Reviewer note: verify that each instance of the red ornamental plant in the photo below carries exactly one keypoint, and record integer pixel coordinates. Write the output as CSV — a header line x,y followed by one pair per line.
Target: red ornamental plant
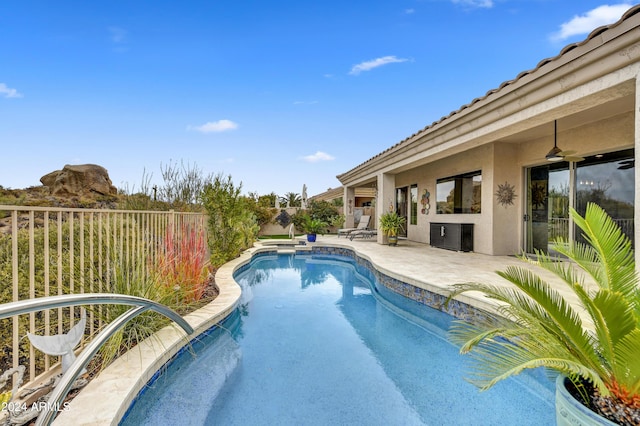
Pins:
x,y
184,262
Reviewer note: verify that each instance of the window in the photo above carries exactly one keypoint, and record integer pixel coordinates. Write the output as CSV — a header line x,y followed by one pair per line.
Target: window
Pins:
x,y
609,181
459,194
414,204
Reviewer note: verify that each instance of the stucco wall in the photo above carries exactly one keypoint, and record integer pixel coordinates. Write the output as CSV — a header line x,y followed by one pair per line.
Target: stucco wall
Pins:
x,y
499,229
426,176
507,223
276,229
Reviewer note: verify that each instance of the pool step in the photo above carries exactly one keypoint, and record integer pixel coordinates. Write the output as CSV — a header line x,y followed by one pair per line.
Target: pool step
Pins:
x,y
293,249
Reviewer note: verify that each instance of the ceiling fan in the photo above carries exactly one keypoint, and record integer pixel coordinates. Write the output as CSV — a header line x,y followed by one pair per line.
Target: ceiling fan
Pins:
x,y
626,164
556,154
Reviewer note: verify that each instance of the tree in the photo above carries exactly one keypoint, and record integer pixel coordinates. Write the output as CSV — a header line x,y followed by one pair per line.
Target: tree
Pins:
x,y
291,199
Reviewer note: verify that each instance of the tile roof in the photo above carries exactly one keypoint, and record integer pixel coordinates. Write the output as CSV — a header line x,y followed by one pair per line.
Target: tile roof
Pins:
x,y
595,33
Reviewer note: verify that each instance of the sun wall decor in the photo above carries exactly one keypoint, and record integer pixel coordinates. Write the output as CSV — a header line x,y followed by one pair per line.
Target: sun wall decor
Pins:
x,y
505,194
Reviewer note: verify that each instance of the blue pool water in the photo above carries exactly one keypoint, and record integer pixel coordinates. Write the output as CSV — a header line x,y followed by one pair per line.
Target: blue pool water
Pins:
x,y
314,343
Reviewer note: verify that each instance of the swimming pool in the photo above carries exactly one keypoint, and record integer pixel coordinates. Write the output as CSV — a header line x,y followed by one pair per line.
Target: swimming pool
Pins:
x,y
317,341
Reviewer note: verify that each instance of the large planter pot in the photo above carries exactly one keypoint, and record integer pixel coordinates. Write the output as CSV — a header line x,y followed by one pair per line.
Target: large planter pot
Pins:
x,y
311,238
393,241
571,412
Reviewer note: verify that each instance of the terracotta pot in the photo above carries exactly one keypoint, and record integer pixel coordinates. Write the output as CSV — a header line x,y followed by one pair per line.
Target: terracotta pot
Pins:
x,y
571,412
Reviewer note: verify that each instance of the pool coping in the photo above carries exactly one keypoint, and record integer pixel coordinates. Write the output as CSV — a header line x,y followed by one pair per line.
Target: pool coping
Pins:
x,y
106,399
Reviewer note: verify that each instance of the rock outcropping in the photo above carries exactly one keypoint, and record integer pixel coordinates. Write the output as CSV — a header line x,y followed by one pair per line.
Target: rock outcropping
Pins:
x,y
79,180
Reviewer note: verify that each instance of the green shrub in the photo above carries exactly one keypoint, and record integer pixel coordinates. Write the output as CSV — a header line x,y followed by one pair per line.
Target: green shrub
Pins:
x,y
322,211
136,277
232,225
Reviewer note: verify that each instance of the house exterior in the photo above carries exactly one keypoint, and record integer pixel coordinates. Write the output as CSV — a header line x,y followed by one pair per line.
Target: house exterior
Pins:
x,y
490,164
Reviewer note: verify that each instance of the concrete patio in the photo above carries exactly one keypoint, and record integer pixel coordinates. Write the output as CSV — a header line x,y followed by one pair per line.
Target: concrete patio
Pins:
x,y
436,269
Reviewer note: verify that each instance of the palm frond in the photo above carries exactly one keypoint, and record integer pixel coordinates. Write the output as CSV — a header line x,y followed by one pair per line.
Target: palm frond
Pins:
x,y
627,367
495,360
536,313
562,270
617,315
545,330
614,265
467,335
550,309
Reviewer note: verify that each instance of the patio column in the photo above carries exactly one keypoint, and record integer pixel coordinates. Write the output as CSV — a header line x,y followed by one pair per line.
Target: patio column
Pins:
x,y
349,200
386,198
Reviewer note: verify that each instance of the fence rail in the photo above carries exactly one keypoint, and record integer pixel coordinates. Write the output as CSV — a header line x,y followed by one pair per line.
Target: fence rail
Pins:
x,y
559,227
46,251
140,305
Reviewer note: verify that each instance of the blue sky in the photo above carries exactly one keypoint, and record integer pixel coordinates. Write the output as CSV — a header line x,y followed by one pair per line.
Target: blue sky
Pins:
x,y
275,93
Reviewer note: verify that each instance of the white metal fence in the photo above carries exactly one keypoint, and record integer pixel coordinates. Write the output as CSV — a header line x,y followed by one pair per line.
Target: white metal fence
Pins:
x,y
48,251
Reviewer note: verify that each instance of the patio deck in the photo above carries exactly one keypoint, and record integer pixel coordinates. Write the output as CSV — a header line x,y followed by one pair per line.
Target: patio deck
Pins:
x,y
436,269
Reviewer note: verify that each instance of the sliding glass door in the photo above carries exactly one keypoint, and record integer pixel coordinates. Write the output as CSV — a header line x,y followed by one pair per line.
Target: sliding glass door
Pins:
x,y
402,207
607,180
547,214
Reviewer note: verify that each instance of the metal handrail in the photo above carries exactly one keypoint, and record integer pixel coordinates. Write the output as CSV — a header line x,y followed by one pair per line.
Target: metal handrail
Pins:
x,y
141,305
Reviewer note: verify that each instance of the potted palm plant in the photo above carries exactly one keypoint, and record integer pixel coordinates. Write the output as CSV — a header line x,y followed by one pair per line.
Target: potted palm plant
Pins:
x,y
391,224
312,227
593,341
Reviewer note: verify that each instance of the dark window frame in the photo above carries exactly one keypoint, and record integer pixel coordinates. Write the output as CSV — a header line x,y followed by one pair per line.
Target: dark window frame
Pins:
x,y
459,194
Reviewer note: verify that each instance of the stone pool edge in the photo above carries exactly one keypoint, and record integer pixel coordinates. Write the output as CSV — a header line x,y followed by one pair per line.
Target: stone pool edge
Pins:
x,y
106,399
466,307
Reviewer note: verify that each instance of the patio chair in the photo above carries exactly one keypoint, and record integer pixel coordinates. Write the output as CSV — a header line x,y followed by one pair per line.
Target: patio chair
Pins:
x,y
363,233
362,224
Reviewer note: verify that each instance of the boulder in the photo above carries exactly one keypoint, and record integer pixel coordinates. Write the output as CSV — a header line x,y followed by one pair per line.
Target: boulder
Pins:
x,y
79,180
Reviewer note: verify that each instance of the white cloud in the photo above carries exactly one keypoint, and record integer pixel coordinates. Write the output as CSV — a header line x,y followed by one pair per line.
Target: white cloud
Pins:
x,y
7,92
305,102
318,156
215,126
375,63
584,24
118,38
117,34
474,3
409,11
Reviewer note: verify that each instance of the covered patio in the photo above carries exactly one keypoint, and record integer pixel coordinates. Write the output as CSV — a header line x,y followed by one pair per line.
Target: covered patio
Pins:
x,y
513,162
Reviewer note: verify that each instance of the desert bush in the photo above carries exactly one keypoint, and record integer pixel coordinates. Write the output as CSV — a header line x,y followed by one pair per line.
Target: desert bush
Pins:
x,y
135,278
184,263
181,189
232,225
